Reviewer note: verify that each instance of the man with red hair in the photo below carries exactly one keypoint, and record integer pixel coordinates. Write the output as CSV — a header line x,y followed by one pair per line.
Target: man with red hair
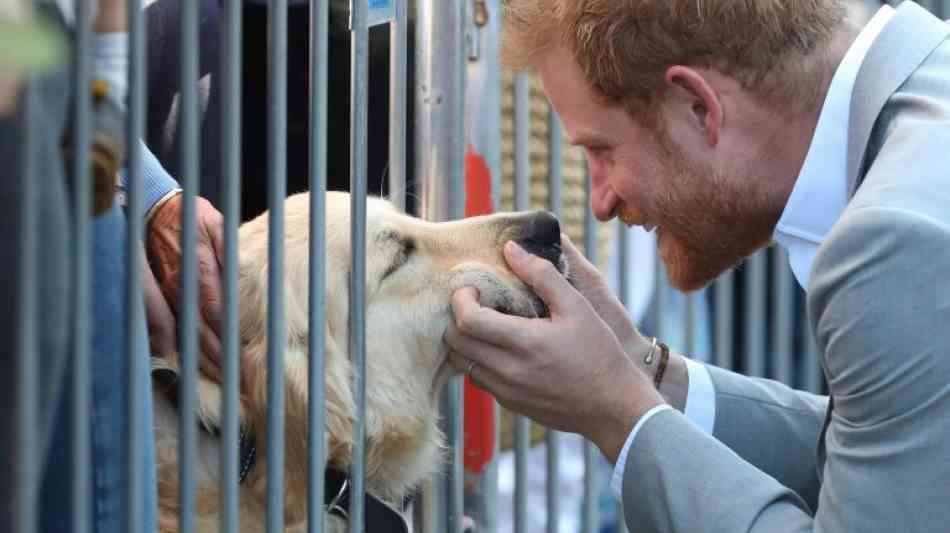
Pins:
x,y
726,126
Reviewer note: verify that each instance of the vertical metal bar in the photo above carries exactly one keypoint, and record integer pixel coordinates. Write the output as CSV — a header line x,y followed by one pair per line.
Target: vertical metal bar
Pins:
x,y
555,205
231,189
522,203
82,281
724,296
188,430
483,127
623,288
783,302
693,301
553,494
398,50
555,163
812,371
133,308
522,443
316,340
26,465
754,319
359,78
522,142
276,192
623,262
660,299
589,514
440,104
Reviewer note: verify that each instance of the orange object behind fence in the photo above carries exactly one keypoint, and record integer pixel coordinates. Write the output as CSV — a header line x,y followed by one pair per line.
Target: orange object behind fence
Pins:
x,y
479,425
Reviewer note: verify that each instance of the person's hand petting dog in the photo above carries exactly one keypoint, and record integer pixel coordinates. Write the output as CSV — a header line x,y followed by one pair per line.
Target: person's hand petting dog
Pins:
x,y
563,371
165,256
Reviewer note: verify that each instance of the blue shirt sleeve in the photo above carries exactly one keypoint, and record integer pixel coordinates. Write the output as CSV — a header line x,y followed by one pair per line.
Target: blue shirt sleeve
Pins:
x,y
156,181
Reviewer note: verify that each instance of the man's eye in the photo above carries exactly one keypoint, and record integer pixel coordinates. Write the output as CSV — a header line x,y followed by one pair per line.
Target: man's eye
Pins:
x,y
597,150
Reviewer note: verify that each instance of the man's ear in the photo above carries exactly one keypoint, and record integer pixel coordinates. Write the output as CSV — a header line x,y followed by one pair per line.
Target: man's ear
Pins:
x,y
706,108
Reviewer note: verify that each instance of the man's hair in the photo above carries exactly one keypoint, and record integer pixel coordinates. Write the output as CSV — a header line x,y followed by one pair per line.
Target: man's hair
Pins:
x,y
772,47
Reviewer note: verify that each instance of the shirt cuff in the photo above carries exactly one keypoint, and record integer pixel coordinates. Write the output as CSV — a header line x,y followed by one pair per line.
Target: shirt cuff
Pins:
x,y
700,396
616,481
157,183
700,409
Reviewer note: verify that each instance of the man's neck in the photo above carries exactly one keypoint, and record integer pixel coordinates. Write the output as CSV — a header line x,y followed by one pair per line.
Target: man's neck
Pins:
x,y
797,130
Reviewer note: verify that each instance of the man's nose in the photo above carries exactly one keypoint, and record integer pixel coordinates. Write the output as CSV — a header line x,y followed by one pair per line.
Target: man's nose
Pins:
x,y
541,236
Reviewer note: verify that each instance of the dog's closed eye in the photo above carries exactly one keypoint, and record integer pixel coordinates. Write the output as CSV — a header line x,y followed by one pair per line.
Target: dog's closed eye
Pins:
x,y
406,247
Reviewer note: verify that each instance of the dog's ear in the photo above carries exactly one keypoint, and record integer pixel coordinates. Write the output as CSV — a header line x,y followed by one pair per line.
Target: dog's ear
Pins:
x,y
340,403
338,389
340,406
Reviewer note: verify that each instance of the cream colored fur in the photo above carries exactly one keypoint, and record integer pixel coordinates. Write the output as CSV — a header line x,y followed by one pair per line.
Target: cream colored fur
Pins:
x,y
406,315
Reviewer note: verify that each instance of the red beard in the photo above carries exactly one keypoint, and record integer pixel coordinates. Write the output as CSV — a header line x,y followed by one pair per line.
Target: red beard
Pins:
x,y
709,220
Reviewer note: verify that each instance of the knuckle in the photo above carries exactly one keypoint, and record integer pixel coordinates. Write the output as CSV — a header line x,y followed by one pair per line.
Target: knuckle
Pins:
x,y
464,323
539,268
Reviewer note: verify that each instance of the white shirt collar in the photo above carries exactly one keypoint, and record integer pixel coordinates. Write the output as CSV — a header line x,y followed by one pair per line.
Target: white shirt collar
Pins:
x,y
820,193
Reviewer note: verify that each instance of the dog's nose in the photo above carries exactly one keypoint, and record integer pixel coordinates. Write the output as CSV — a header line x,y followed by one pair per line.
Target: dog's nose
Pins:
x,y
541,236
544,229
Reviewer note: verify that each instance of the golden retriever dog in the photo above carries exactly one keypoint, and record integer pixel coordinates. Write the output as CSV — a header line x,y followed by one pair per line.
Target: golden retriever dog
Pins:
x,y
412,269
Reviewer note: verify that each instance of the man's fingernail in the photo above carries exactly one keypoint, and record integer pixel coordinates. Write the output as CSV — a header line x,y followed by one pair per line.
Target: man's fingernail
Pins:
x,y
516,252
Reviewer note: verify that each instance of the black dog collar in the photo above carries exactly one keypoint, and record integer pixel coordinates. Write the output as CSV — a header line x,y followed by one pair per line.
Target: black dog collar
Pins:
x,y
248,455
379,515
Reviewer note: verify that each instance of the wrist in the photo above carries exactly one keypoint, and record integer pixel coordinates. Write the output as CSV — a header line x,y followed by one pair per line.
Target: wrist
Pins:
x,y
673,384
157,206
611,429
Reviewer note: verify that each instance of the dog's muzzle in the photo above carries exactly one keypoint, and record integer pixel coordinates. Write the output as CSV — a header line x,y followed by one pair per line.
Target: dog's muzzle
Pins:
x,y
541,236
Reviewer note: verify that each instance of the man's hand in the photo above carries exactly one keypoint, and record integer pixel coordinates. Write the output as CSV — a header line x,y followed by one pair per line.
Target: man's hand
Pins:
x,y
165,255
587,280
568,372
162,334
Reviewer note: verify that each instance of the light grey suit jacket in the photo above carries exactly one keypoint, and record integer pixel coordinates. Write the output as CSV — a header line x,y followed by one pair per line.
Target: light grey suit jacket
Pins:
x,y
878,460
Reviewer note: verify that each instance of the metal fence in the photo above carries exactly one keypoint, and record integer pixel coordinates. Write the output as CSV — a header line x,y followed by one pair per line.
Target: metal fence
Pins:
x,y
756,320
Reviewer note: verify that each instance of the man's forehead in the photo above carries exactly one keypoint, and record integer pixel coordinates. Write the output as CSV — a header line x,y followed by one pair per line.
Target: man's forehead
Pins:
x,y
586,117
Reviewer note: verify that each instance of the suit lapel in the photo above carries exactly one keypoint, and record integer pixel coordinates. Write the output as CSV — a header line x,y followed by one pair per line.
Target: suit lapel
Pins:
x,y
901,47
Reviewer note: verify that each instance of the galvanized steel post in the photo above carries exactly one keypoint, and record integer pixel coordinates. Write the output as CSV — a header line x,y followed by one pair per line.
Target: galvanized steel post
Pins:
x,y
589,515
359,87
724,296
26,461
754,314
555,205
483,133
783,301
188,314
316,340
522,202
231,192
440,152
134,316
82,276
623,287
398,53
276,193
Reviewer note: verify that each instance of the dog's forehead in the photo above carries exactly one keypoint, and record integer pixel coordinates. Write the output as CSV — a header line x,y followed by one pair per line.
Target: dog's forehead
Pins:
x,y
381,215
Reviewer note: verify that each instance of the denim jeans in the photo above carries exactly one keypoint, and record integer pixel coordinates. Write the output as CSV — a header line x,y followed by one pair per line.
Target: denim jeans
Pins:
x,y
110,397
